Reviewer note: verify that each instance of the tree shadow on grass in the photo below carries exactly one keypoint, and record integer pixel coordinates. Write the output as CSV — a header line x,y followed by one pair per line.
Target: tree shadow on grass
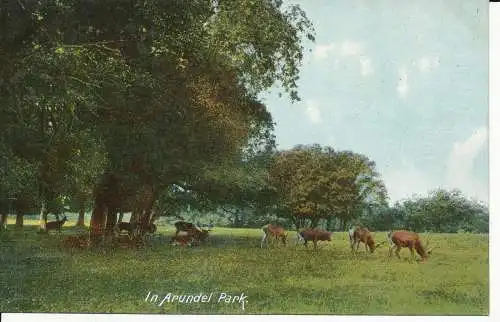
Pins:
x,y
29,261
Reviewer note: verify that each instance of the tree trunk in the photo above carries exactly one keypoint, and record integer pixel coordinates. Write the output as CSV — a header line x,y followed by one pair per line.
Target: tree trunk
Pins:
x,y
19,219
134,216
81,217
43,216
329,223
342,224
120,217
3,221
98,220
111,220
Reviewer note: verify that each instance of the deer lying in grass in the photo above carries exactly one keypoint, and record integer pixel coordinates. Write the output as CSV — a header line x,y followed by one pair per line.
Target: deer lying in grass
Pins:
x,y
314,235
55,225
199,235
359,235
186,233
410,240
78,241
271,231
184,226
183,238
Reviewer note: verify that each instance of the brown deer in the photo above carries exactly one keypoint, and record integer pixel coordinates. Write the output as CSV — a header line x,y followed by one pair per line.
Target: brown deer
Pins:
x,y
275,231
183,239
314,235
55,225
359,235
184,226
410,240
196,233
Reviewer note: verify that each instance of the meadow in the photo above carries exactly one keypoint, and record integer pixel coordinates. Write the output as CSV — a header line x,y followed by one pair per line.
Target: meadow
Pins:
x,y
38,275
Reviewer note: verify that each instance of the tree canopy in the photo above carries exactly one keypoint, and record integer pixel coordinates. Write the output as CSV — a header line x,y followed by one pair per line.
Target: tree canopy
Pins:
x,y
155,92
317,182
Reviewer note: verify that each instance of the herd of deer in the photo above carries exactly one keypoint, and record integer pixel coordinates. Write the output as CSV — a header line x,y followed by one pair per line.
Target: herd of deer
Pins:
x,y
397,239
187,234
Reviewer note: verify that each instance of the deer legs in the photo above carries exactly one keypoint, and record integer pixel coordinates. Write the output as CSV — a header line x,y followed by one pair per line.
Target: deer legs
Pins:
x,y
355,246
412,250
264,239
397,248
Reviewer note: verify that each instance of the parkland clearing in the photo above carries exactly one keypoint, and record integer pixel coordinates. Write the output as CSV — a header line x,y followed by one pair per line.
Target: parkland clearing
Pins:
x,y
139,158
38,275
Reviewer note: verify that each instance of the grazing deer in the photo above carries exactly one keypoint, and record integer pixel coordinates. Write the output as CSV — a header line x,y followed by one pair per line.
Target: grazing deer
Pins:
x,y
410,240
360,234
55,225
198,234
270,231
314,235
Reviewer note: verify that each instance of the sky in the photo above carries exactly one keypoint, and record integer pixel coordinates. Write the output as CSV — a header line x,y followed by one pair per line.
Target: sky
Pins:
x,y
404,83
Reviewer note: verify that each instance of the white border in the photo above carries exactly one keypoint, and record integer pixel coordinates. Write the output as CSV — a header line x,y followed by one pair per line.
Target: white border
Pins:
x,y
494,206
28,317
494,143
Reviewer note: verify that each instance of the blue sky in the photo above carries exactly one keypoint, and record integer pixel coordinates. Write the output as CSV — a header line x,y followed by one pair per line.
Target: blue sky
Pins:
x,y
405,83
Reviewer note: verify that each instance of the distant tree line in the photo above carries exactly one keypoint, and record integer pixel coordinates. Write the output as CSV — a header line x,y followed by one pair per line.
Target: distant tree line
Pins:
x,y
440,211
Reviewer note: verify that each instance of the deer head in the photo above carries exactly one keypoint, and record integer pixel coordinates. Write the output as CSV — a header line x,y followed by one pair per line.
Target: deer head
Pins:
x,y
427,248
380,244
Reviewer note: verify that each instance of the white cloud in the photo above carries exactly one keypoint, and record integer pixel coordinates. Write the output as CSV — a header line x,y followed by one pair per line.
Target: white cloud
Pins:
x,y
424,64
427,63
407,180
403,86
461,163
313,112
350,48
366,66
346,49
322,51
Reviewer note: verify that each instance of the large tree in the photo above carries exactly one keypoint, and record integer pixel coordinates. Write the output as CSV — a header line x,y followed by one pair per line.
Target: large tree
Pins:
x,y
314,182
166,88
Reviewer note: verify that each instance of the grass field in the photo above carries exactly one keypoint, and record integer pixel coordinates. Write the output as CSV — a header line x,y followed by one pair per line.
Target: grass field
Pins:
x,y
38,275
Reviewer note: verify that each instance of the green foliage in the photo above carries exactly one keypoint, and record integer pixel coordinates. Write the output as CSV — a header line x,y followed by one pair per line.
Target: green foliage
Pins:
x,y
318,182
152,92
441,211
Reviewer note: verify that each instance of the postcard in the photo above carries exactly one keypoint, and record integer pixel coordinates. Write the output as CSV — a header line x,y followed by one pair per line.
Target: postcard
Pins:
x,y
265,159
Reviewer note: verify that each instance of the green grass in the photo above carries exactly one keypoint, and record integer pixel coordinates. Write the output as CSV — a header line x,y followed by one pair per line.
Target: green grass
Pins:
x,y
38,275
